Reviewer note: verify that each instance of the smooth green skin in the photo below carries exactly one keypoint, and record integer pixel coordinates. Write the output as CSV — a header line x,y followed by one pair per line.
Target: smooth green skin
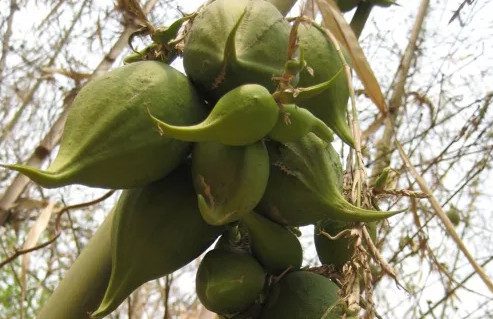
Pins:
x,y
274,246
242,116
302,295
337,252
157,230
227,282
304,185
331,104
109,141
233,43
229,180
84,284
347,5
301,122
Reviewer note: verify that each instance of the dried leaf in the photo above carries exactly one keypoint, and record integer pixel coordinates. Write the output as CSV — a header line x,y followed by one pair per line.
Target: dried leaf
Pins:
x,y
335,22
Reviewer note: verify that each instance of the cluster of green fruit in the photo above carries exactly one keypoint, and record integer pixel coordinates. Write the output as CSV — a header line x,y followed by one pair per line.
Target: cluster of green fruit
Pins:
x,y
258,168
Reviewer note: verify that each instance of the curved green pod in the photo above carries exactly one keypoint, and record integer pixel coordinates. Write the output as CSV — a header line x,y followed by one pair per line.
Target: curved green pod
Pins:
x,y
156,230
304,185
229,180
242,116
339,251
236,42
108,140
302,295
330,105
228,282
295,122
274,246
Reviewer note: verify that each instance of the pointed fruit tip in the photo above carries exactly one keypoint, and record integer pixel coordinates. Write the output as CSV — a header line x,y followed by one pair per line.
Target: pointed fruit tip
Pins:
x,y
43,178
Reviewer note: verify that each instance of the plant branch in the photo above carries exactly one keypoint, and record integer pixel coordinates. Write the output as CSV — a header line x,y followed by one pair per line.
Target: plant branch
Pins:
x,y
19,252
443,217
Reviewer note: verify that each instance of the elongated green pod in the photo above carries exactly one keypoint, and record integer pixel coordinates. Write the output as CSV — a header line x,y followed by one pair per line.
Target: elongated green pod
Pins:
x,y
302,295
108,140
295,122
304,183
157,230
274,246
84,284
228,282
236,42
338,251
242,116
229,180
330,105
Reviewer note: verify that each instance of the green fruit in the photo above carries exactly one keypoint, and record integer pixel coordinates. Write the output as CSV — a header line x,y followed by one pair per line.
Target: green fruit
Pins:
x,y
330,105
295,122
109,141
274,246
304,185
236,42
302,295
229,180
242,116
454,215
157,230
347,5
336,252
227,282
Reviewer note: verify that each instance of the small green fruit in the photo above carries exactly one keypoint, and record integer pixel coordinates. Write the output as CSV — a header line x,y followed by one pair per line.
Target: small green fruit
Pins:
x,y
330,105
302,295
236,42
228,282
454,215
336,252
274,246
229,180
242,116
